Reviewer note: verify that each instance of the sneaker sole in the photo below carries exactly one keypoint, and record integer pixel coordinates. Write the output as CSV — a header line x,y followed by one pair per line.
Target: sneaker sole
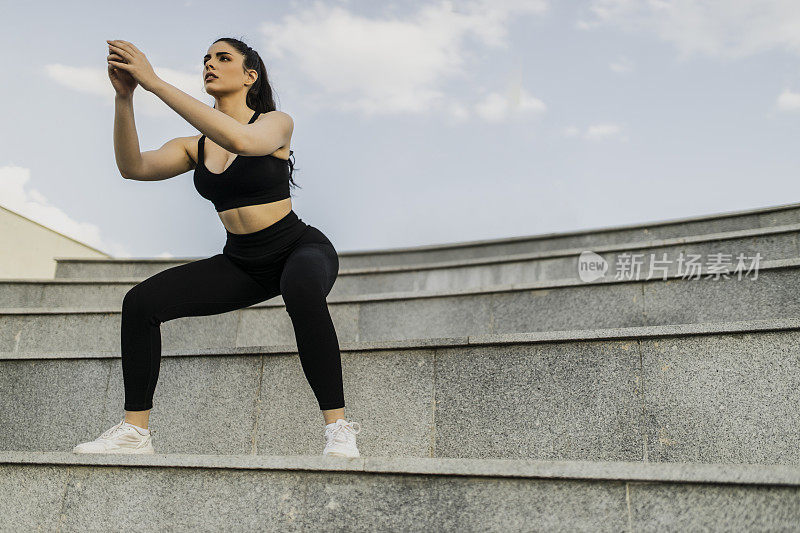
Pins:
x,y
121,452
337,454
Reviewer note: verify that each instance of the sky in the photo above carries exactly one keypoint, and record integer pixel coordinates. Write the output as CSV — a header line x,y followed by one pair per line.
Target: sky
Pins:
x,y
416,122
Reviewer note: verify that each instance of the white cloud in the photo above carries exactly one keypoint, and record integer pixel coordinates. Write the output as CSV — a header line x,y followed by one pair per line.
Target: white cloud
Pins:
x,y
19,197
621,65
389,65
596,132
571,131
722,28
516,101
788,101
89,80
602,131
94,81
496,107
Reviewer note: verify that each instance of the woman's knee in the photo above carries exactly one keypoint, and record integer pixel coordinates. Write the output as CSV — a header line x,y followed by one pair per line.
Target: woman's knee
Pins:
x,y
298,291
310,272
138,302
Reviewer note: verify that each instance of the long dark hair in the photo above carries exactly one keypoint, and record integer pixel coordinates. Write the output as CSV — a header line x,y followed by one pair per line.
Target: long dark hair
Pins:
x,y
259,97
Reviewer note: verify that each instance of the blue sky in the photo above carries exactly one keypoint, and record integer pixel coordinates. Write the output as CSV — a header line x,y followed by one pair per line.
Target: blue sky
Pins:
x,y
417,122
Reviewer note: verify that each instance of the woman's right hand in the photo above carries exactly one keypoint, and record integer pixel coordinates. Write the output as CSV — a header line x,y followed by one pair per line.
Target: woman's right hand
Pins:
x,y
122,82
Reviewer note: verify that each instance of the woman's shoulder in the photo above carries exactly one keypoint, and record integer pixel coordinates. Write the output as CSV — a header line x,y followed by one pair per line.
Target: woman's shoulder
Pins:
x,y
279,115
284,151
191,144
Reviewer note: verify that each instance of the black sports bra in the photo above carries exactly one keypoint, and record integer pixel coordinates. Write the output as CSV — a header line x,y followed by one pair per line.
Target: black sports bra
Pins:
x,y
248,180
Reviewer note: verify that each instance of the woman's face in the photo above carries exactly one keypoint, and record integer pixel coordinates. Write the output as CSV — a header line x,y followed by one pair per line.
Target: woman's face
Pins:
x,y
222,68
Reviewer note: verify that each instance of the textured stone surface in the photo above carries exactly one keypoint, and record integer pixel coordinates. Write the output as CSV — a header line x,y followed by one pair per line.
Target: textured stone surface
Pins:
x,y
201,404
52,404
69,492
549,401
703,395
389,393
723,399
610,391
32,497
667,507
530,267
550,306
586,239
544,306
99,497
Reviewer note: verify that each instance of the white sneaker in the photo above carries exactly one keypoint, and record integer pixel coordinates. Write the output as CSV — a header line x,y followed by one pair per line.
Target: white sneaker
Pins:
x,y
121,438
341,438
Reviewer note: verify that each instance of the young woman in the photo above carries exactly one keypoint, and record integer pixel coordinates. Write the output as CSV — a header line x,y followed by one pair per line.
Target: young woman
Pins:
x,y
241,164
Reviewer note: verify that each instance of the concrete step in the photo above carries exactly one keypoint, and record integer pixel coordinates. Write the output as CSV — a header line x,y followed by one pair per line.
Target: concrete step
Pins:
x,y
769,292
696,393
66,492
584,239
771,243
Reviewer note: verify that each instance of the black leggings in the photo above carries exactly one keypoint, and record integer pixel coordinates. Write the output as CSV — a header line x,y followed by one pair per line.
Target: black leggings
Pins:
x,y
290,258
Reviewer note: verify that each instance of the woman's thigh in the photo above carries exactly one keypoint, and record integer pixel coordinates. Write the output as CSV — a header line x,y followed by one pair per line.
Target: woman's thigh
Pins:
x,y
205,287
311,267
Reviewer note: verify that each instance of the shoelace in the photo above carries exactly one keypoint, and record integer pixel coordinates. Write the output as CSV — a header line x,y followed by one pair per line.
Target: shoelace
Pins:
x,y
113,431
339,432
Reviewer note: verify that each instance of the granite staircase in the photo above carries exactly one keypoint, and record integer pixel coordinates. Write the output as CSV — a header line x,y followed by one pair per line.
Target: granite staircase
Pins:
x,y
497,386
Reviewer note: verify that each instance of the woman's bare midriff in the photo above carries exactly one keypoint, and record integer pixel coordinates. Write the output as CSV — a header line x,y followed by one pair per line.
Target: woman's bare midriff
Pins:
x,y
251,218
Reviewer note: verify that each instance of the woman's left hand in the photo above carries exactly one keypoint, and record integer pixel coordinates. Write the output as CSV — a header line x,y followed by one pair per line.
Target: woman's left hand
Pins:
x,y
136,64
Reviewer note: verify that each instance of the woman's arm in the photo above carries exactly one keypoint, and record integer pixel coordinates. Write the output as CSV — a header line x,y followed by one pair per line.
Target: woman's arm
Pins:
x,y
223,129
126,141
261,138
168,161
